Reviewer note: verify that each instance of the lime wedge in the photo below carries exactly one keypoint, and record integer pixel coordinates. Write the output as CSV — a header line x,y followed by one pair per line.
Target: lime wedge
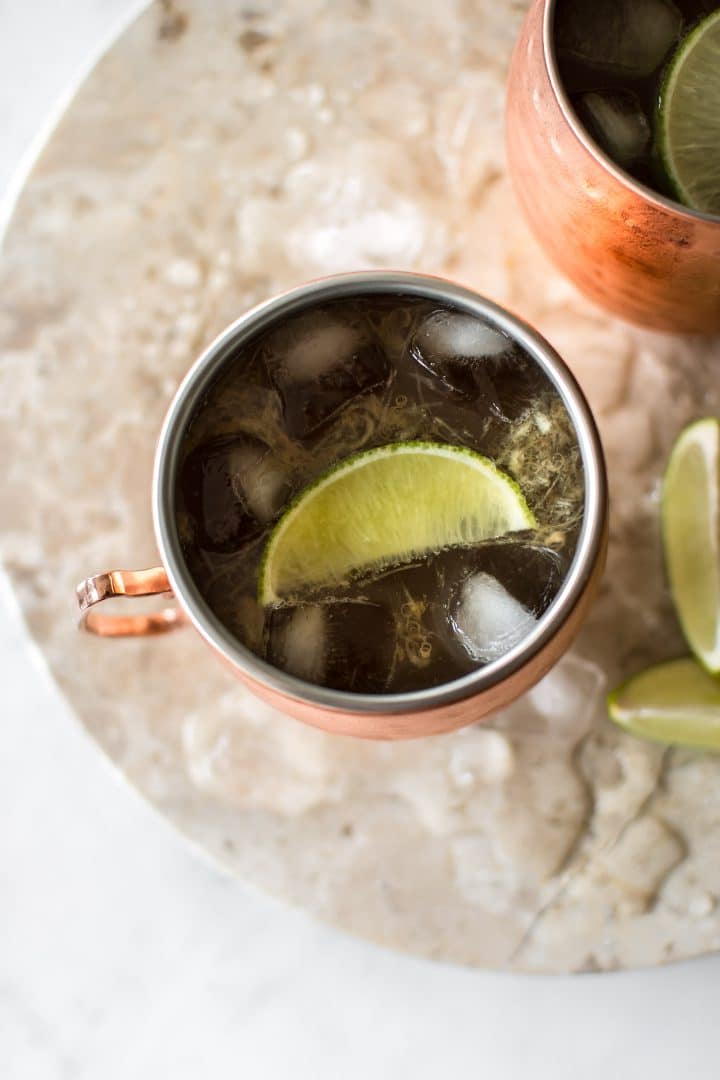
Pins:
x,y
689,118
690,497
386,506
676,702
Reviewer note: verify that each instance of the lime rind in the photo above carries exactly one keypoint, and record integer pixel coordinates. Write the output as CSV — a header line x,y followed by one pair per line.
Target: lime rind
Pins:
x,y
691,157
690,517
400,529
676,703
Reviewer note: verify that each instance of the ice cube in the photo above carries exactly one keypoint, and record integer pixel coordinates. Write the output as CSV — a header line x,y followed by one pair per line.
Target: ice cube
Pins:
x,y
319,363
344,644
425,595
488,620
616,120
528,571
299,643
620,37
571,699
454,348
319,349
450,333
231,487
420,650
260,481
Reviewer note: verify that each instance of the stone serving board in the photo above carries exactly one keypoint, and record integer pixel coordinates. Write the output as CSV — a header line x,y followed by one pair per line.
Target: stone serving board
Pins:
x,y
217,154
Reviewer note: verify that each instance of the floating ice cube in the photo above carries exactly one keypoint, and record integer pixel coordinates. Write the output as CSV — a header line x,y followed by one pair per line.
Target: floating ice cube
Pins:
x,y
488,620
347,645
423,642
301,643
320,348
530,572
260,480
453,334
455,348
232,486
616,120
621,37
319,364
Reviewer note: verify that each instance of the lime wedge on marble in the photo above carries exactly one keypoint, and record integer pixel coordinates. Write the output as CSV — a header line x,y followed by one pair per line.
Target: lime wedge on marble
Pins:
x,y
691,536
677,702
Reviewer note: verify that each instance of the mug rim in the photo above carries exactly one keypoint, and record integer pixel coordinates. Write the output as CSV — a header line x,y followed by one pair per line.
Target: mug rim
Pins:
x,y
593,148
589,545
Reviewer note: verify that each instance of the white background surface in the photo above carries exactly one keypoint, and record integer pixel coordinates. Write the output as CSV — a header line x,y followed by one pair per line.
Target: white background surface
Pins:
x,y
123,955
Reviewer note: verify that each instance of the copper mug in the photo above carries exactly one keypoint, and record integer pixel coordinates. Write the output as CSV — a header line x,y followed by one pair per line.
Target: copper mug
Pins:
x,y
637,253
383,716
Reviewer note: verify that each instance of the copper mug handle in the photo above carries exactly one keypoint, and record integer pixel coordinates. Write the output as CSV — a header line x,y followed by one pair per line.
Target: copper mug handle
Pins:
x,y
94,590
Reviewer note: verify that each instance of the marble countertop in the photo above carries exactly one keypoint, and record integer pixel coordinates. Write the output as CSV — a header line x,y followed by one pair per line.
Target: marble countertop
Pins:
x,y
124,954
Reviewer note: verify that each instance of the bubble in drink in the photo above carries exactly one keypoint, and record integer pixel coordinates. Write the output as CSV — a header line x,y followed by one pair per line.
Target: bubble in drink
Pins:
x,y
618,37
372,372
616,120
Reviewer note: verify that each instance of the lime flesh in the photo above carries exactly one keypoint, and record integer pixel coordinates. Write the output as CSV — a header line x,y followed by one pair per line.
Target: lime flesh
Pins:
x,y
689,118
677,703
387,506
690,525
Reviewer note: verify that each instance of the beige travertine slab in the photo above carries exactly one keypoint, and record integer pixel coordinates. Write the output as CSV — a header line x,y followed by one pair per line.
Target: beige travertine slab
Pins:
x,y
218,153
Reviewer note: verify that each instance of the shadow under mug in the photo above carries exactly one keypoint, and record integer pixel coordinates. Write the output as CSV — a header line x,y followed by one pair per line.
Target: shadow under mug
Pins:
x,y
382,716
642,256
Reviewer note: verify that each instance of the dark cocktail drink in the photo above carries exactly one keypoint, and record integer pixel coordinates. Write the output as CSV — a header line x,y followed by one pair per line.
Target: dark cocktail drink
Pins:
x,y
380,494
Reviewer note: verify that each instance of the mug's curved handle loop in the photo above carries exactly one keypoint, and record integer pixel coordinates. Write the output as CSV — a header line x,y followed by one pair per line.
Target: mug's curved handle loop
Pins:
x,y
101,587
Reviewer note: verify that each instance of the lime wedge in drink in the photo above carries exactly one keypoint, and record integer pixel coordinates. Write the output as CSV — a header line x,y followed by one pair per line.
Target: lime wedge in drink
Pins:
x,y
690,497
677,702
387,506
689,118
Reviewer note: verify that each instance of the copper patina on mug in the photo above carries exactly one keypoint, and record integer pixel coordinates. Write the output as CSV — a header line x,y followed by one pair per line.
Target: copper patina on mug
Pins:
x,y
637,253
380,716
